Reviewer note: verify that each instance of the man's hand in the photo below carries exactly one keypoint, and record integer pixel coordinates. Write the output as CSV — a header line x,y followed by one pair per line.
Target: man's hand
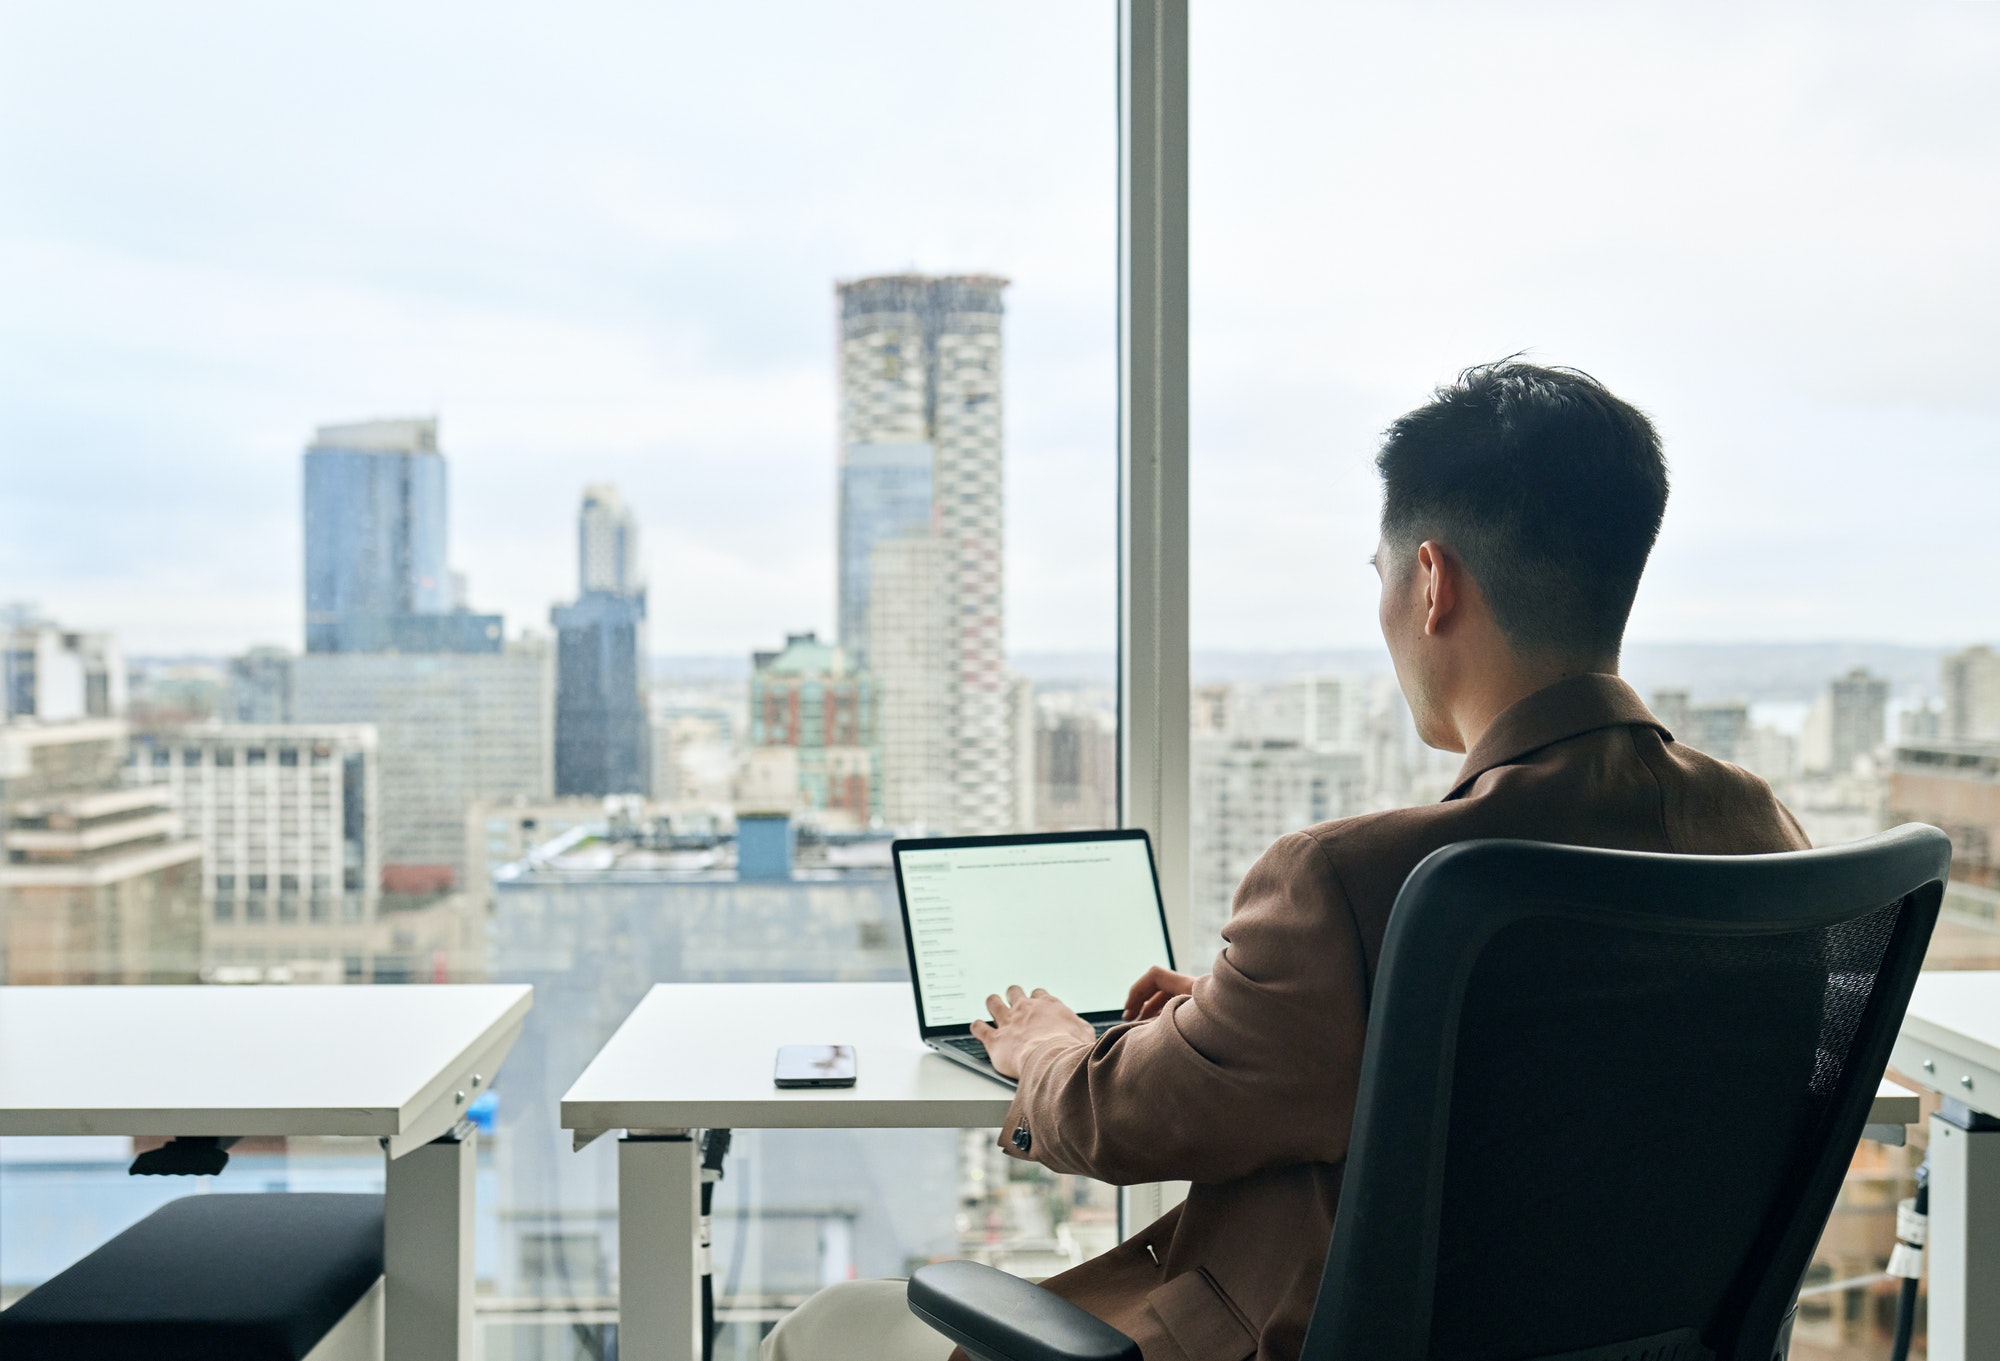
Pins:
x,y
1020,1021
1154,990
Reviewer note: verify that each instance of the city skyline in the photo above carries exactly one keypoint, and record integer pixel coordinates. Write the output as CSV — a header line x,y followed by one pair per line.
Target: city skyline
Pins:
x,y
627,304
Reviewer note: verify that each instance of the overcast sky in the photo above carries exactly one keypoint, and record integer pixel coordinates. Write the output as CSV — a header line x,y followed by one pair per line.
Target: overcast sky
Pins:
x,y
599,240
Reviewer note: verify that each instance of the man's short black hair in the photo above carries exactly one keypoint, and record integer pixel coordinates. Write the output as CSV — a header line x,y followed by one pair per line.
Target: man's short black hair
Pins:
x,y
1549,489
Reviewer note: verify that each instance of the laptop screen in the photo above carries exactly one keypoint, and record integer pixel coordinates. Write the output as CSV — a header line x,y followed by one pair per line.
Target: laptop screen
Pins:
x,y
1079,916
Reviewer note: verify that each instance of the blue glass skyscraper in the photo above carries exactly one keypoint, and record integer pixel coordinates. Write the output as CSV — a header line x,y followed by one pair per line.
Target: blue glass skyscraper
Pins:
x,y
603,729
376,574
885,493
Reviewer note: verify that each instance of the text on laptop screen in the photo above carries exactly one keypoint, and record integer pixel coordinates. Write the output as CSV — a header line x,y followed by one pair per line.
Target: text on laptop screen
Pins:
x,y
1080,918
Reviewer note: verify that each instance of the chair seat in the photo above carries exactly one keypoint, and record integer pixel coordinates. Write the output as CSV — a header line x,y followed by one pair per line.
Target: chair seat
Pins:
x,y
207,1278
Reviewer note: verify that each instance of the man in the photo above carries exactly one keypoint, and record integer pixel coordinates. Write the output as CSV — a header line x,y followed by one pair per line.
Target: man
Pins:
x,y
1519,507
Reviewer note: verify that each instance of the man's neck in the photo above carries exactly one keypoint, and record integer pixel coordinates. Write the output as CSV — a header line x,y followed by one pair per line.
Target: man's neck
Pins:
x,y
1500,688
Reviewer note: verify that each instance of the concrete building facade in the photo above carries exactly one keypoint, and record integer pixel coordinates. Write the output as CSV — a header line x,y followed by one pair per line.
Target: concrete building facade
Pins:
x,y
1076,766
907,624
1972,696
99,884
55,674
1246,793
1954,786
1847,722
453,729
288,816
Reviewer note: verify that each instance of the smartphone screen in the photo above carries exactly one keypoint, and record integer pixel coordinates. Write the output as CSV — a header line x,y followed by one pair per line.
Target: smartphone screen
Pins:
x,y
815,1065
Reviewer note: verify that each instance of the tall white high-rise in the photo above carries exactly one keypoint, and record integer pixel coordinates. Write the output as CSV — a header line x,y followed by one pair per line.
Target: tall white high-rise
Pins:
x,y
907,656
1972,695
922,457
608,543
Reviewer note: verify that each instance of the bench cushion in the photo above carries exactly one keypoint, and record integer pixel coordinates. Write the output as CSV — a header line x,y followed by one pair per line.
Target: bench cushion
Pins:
x,y
219,1277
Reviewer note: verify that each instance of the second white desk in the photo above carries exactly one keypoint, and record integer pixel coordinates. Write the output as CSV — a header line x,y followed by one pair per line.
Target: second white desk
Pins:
x,y
699,1056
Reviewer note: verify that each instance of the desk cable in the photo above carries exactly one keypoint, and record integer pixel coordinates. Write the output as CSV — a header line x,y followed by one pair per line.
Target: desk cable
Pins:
x,y
1907,1261
714,1148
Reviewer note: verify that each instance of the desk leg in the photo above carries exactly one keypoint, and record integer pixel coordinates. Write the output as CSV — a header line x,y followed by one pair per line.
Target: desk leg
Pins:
x,y
1963,1252
427,1251
659,1250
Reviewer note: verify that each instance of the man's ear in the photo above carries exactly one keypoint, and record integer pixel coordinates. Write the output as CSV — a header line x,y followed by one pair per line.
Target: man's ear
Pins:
x,y
1439,571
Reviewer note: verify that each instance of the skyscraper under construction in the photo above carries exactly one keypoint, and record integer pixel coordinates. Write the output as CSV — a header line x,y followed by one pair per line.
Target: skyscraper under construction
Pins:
x,y
921,541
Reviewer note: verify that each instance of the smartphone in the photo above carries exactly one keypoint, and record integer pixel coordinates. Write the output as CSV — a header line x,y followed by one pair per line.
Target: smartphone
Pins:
x,y
815,1065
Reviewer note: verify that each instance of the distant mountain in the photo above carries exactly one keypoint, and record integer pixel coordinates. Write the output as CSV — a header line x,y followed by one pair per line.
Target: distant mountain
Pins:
x,y
1756,672
1766,672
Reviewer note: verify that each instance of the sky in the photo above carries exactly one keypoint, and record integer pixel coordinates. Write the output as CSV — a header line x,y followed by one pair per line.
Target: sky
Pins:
x,y
599,241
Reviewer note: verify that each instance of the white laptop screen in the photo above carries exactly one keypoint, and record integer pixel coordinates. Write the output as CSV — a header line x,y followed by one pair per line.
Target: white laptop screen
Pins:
x,y
1080,918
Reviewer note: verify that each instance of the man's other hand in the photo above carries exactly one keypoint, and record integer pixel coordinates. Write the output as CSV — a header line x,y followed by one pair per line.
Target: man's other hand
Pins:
x,y
1154,990
1020,1020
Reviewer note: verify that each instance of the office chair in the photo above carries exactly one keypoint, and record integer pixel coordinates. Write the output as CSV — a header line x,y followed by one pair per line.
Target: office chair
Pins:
x,y
1606,1103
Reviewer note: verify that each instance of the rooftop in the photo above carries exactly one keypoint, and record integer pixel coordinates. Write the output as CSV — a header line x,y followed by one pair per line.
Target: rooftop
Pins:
x,y
656,851
403,435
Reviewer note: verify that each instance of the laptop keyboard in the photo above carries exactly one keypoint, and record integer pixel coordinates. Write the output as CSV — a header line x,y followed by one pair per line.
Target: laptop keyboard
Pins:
x,y
973,1049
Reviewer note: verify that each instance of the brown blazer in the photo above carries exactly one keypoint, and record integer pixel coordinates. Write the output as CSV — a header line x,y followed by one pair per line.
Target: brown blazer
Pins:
x,y
1247,1087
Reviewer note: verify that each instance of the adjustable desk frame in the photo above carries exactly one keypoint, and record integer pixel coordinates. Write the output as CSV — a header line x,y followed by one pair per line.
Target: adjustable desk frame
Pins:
x,y
1950,1042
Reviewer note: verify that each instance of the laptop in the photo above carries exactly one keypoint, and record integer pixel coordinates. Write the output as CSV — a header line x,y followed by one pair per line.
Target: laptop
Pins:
x,y
1077,913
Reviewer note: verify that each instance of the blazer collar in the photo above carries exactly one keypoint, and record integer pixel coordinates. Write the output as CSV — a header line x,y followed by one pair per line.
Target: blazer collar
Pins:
x,y
1566,709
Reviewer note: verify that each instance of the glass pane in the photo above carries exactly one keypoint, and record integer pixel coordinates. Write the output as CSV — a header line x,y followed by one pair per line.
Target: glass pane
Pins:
x,y
518,496
1769,226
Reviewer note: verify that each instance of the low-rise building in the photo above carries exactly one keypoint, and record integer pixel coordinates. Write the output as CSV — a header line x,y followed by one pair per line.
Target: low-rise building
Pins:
x,y
1954,786
1076,764
1245,794
288,815
55,674
99,884
807,699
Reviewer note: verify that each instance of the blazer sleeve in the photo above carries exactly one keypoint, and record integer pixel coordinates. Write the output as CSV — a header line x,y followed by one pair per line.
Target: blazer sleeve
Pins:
x,y
1258,1068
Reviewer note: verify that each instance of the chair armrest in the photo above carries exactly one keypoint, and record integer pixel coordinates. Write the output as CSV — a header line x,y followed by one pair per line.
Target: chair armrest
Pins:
x,y
997,1317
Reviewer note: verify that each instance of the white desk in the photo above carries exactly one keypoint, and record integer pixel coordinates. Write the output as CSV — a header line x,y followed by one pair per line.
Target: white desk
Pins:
x,y
1950,1042
397,1063
699,1056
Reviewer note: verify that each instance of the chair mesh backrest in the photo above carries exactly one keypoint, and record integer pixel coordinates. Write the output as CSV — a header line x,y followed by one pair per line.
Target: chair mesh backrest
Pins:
x,y
1649,1099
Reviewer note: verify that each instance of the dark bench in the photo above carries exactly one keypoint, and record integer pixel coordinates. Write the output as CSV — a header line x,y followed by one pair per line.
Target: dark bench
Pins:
x,y
219,1277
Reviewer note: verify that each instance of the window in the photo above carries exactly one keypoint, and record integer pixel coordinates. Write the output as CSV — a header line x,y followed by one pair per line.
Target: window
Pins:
x,y
1762,266
863,575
